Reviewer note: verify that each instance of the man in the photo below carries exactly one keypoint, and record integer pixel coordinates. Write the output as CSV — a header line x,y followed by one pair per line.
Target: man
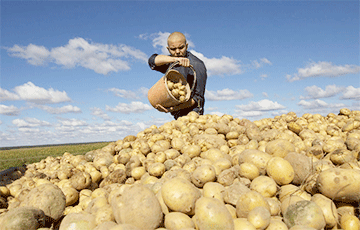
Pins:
x,y
177,47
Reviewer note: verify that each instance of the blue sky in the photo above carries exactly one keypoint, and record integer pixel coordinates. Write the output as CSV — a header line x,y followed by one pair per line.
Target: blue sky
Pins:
x,y
76,71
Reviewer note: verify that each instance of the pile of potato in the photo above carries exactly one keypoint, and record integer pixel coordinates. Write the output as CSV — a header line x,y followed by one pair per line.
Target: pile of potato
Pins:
x,y
177,89
201,172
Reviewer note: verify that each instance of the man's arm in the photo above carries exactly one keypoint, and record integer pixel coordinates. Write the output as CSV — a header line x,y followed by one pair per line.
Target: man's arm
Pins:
x,y
164,59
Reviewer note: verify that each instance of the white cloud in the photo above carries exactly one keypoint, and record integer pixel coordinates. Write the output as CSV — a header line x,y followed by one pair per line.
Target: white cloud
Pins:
x,y
9,110
263,105
99,113
32,93
212,108
318,104
227,94
351,92
6,95
265,94
220,66
61,110
258,64
263,76
129,94
35,55
244,114
160,40
30,123
72,122
323,69
102,58
314,92
133,107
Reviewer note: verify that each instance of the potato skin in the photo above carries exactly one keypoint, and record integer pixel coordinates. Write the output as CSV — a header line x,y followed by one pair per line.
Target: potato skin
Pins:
x,y
306,213
47,197
212,214
180,195
280,170
340,184
28,218
138,206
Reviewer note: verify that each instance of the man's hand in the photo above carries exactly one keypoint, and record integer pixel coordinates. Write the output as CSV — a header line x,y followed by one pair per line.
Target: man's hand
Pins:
x,y
183,61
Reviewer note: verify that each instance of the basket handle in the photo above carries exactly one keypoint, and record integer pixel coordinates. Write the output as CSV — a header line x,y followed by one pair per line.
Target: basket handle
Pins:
x,y
191,67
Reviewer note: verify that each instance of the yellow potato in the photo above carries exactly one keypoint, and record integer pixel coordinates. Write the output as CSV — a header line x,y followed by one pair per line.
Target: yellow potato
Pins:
x,y
265,185
280,170
210,213
259,217
214,190
328,207
243,224
249,170
248,202
180,195
177,221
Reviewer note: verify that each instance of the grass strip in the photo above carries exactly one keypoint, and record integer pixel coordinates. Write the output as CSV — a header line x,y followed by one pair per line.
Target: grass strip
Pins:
x,y
15,157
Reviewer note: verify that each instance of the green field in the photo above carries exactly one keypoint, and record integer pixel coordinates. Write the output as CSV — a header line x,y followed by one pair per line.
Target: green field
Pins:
x,y
13,157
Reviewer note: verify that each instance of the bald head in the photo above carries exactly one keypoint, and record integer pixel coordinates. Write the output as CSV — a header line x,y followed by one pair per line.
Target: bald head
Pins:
x,y
177,45
176,36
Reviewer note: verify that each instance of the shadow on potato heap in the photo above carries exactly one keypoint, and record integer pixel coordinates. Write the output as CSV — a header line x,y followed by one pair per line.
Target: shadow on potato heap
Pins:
x,y
201,172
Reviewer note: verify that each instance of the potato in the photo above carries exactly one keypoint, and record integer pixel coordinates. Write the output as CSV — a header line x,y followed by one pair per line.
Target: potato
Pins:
x,y
78,221
232,210
305,213
23,218
248,170
191,150
276,225
160,146
290,189
228,176
105,225
279,148
202,175
172,154
103,214
156,169
256,157
328,207
349,222
47,197
274,205
248,202
80,180
234,192
210,213
117,176
243,224
138,206
259,217
289,200
138,172
180,195
266,186
280,170
71,194
214,190
177,221
125,227
302,166
340,184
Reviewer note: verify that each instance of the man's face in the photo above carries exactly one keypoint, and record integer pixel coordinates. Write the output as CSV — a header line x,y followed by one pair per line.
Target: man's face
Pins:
x,y
177,48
